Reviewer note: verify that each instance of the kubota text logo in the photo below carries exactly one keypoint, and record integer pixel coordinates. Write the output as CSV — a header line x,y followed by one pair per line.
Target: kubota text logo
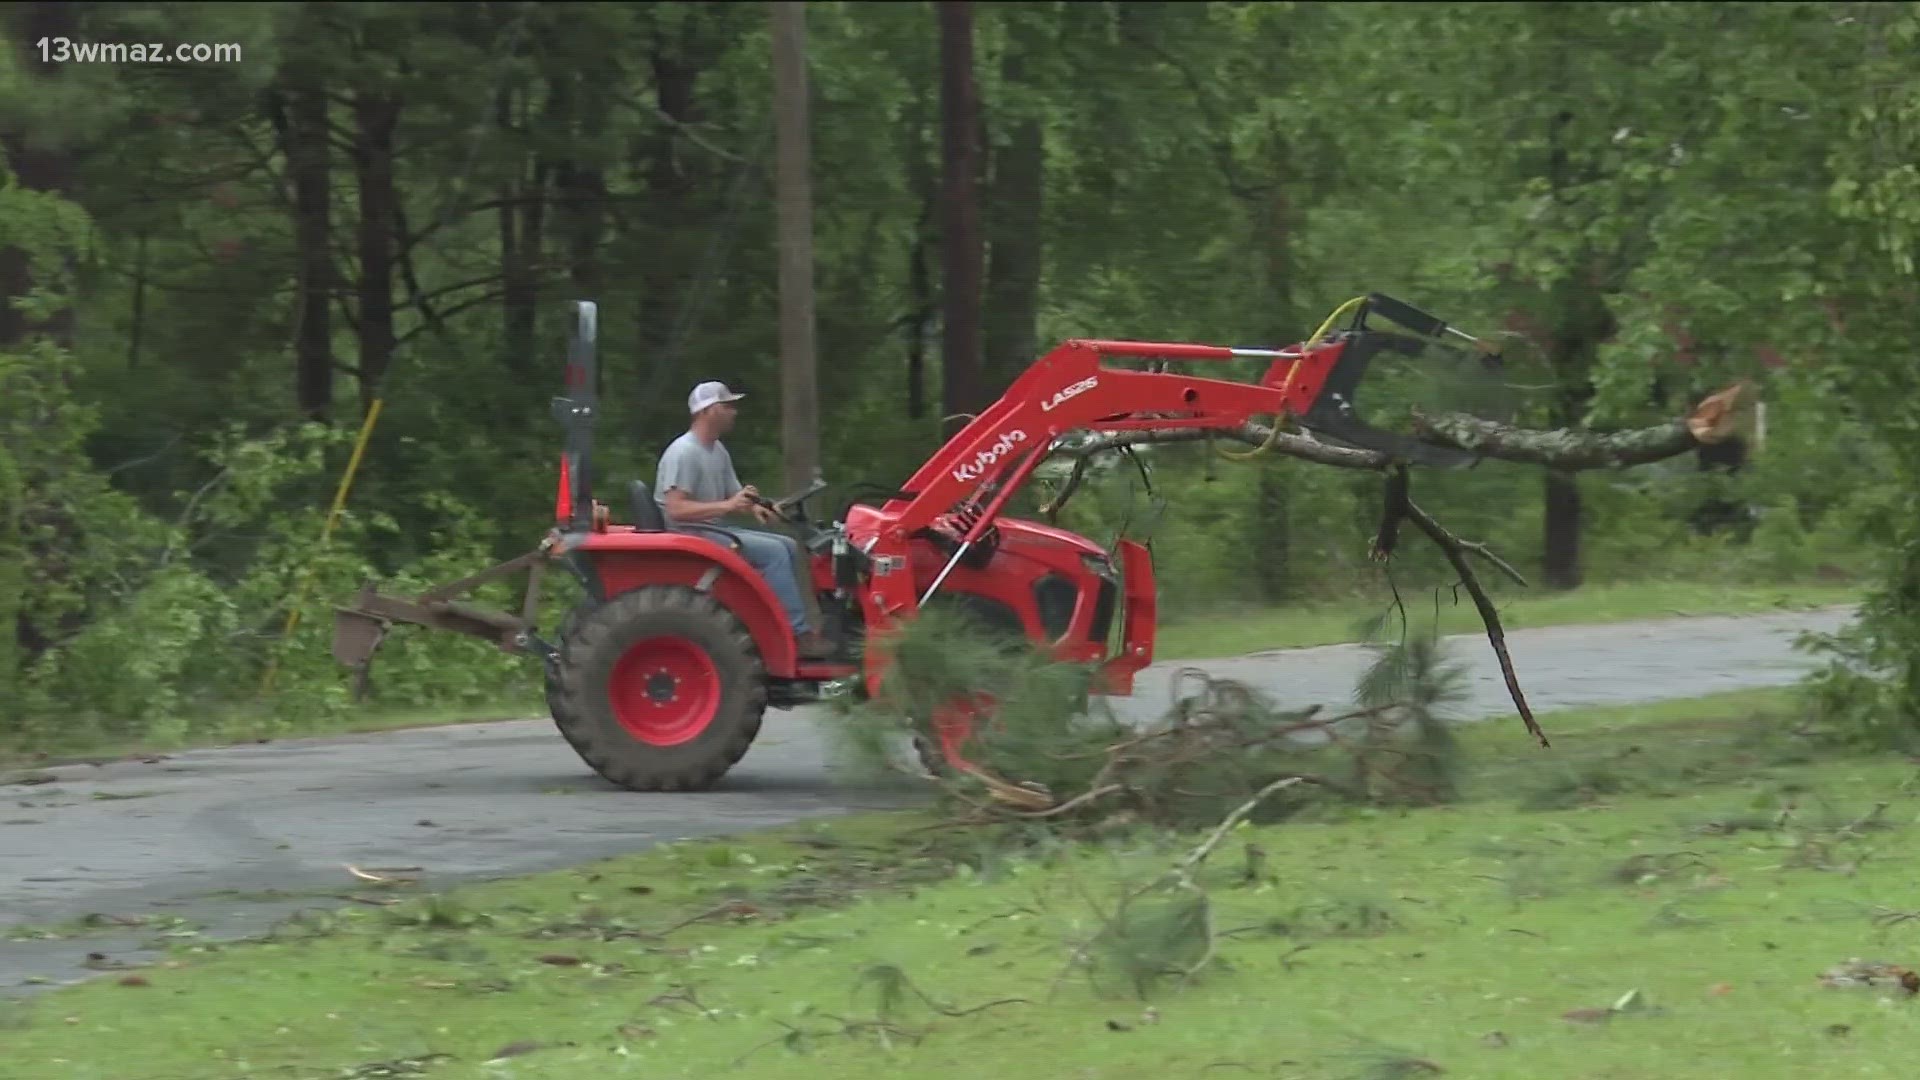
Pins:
x,y
989,457
1073,391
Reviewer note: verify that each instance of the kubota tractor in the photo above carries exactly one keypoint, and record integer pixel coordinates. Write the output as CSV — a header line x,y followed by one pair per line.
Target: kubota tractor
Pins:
x,y
660,677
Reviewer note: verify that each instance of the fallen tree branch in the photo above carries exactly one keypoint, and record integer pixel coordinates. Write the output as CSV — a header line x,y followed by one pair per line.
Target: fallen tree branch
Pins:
x,y
1487,553
1391,515
1567,449
1717,418
1200,854
1455,552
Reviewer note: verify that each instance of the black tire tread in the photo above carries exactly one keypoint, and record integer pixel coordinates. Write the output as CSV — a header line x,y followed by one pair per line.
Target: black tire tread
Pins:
x,y
561,636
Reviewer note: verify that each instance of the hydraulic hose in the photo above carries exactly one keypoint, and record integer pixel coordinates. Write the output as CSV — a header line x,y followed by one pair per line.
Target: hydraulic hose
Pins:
x,y
1273,436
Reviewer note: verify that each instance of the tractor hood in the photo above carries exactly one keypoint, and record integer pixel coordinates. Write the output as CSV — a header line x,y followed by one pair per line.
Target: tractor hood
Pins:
x,y
1021,530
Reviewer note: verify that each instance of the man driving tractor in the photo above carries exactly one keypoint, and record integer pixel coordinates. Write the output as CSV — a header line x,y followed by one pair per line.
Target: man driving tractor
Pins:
x,y
697,485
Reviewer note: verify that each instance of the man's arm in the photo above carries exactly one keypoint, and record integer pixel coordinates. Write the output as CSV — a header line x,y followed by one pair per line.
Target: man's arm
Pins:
x,y
682,507
736,488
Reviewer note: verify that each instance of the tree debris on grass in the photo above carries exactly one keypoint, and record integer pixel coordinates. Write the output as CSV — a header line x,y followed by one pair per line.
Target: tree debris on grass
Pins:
x,y
1879,974
1051,752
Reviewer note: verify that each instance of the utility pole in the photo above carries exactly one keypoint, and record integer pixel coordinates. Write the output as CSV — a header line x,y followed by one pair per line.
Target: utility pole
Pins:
x,y
793,198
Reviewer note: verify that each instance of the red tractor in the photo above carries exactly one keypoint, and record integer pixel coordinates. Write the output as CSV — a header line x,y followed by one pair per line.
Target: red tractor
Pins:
x,y
660,677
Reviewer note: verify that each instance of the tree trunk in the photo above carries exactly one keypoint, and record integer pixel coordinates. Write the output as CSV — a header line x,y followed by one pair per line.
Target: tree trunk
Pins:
x,y
962,390
799,406
523,220
1011,311
920,288
679,237
1560,556
580,192
308,150
375,117
924,311
1582,322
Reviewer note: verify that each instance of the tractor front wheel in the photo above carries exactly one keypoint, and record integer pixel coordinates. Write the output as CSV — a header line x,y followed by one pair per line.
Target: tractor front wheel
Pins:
x,y
662,689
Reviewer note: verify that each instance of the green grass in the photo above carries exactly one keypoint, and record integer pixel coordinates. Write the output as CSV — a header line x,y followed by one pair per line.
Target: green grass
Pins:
x,y
1688,859
1234,631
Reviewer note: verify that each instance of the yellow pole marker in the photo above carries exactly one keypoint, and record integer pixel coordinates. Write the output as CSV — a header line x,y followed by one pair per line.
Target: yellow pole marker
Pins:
x,y
326,531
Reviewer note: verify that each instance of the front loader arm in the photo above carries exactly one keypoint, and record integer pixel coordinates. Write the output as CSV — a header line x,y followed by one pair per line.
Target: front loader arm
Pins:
x,y
1069,389
970,479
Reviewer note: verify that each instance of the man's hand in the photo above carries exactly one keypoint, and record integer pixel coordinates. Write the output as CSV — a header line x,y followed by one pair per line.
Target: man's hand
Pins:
x,y
742,500
766,515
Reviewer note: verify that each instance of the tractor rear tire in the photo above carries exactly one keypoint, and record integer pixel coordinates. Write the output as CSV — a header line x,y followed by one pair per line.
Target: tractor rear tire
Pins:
x,y
662,689
550,673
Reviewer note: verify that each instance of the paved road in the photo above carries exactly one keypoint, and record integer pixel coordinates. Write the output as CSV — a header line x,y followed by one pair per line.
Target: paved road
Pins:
x,y
182,836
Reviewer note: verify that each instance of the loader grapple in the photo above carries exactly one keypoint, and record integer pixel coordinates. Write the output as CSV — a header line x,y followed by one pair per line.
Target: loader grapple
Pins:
x,y
1336,411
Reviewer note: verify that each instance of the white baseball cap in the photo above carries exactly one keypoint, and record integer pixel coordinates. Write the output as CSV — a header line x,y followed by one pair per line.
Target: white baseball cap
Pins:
x,y
710,393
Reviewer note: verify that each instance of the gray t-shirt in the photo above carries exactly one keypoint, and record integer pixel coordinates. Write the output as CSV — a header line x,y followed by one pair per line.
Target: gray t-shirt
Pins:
x,y
705,473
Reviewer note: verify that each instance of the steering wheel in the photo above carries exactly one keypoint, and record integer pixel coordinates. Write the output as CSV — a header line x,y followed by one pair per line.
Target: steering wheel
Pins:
x,y
783,509
795,501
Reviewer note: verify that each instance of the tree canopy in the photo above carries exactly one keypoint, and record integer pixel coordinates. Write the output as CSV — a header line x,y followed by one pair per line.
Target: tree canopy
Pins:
x,y
214,270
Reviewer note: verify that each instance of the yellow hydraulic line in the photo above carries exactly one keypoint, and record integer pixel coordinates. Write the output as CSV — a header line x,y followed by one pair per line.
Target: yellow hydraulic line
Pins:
x,y
1278,419
326,532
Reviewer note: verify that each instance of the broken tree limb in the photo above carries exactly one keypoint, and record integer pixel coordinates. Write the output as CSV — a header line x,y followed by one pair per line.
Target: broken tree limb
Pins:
x,y
1395,510
1565,449
1717,418
1455,552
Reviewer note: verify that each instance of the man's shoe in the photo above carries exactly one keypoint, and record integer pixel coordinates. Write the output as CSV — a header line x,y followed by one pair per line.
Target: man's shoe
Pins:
x,y
815,646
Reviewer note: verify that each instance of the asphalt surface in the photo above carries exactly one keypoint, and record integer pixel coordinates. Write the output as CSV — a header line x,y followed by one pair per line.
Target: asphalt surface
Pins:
x,y
198,837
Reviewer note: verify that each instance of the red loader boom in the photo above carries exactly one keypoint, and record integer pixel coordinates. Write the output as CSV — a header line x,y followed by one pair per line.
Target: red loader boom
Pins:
x,y
660,676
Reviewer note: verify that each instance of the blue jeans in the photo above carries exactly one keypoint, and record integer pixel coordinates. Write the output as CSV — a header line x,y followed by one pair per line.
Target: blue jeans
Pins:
x,y
775,556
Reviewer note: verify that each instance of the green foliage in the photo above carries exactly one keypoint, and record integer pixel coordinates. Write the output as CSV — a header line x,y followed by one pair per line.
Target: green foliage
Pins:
x,y
1625,183
1218,746
153,622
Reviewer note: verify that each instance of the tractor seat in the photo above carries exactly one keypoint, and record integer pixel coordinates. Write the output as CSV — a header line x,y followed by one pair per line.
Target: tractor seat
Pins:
x,y
648,517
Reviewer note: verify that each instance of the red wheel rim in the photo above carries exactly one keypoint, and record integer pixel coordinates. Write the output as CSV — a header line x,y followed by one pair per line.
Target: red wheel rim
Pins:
x,y
665,690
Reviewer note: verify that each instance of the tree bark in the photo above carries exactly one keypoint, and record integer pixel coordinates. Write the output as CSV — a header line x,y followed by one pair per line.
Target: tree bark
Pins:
x,y
308,151
920,288
678,239
924,310
1568,449
1582,323
580,185
1564,450
799,406
523,216
376,115
1011,308
1560,533
962,390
